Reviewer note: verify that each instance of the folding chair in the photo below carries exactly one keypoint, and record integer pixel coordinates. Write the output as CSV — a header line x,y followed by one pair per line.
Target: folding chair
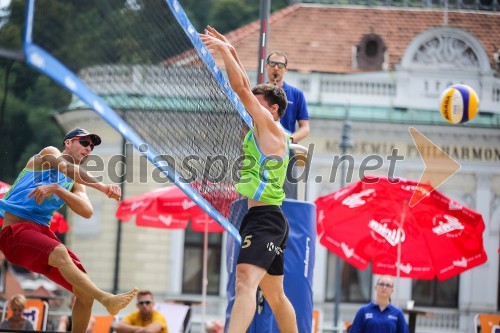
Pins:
x,y
347,326
178,316
316,321
103,324
484,322
36,311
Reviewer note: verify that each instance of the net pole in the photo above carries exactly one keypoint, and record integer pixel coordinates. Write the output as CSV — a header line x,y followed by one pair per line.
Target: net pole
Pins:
x,y
264,20
264,23
345,144
205,279
118,245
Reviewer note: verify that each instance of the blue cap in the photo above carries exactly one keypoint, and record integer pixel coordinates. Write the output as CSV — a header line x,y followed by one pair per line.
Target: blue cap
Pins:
x,y
80,132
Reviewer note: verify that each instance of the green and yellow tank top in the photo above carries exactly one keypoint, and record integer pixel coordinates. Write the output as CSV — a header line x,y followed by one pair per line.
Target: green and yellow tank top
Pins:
x,y
262,176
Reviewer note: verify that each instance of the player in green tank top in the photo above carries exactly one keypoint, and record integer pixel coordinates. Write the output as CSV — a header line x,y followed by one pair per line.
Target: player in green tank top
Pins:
x,y
264,228
262,176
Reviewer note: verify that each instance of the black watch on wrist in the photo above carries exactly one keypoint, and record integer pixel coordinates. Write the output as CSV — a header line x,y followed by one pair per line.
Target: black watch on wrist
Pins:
x,y
291,139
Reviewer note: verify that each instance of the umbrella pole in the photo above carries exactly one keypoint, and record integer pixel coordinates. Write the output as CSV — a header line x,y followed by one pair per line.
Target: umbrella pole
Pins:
x,y
205,279
398,273
345,143
398,263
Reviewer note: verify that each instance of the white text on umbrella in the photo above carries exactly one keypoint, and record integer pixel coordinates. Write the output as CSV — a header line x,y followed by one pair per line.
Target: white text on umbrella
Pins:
x,y
347,251
451,224
356,200
392,236
460,263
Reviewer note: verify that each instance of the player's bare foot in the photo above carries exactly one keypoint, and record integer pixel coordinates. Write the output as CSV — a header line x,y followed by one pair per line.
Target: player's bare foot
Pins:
x,y
114,303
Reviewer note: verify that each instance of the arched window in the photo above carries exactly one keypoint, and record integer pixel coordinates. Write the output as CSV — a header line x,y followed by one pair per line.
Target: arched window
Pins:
x,y
446,48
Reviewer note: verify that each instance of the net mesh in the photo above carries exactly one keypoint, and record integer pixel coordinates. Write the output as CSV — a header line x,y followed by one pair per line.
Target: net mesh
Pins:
x,y
136,56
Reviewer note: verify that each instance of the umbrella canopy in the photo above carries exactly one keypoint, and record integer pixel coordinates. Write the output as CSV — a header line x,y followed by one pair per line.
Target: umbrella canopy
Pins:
x,y
57,224
168,208
371,222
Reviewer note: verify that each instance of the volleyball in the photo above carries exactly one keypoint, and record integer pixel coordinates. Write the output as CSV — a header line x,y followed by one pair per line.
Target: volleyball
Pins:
x,y
458,104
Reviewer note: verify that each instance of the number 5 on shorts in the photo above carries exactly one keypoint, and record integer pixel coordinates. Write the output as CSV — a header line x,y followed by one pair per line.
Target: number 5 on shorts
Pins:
x,y
247,242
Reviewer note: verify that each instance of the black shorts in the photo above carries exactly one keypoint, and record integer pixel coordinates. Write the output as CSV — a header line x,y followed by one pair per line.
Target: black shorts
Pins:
x,y
264,231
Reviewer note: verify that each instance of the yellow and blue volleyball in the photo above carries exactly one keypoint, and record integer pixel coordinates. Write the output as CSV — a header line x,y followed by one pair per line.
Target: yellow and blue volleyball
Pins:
x,y
458,104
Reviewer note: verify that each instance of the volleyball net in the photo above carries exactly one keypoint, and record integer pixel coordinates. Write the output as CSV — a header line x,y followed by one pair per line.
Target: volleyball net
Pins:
x,y
141,66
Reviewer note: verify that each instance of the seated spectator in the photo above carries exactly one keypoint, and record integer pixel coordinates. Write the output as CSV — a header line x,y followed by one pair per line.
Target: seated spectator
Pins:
x,y
65,322
145,319
17,304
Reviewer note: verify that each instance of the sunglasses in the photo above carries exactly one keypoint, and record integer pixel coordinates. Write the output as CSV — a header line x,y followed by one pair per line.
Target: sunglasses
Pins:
x,y
144,302
85,143
384,285
274,63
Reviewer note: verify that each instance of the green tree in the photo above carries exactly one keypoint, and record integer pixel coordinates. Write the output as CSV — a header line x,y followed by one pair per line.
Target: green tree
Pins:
x,y
197,11
228,15
225,15
28,102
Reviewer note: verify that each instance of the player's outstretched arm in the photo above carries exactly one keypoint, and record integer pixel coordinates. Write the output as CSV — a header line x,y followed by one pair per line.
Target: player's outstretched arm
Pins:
x,y
213,32
51,157
237,76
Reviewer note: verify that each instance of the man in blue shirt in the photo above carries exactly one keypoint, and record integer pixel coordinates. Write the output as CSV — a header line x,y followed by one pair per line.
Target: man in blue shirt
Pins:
x,y
296,112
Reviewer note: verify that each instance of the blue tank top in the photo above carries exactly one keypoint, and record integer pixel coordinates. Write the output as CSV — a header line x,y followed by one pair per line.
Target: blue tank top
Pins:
x,y
16,201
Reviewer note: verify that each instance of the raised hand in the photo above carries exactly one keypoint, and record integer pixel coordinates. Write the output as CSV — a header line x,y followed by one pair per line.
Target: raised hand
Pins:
x,y
213,32
214,41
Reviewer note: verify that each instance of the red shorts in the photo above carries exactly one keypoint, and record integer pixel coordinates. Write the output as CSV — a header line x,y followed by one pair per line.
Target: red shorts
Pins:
x,y
29,245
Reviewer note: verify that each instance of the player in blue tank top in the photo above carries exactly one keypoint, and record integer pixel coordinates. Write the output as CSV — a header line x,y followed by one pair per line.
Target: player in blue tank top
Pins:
x,y
51,179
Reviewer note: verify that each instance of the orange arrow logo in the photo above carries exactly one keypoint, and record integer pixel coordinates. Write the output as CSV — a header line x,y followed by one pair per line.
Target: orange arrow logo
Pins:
x,y
439,166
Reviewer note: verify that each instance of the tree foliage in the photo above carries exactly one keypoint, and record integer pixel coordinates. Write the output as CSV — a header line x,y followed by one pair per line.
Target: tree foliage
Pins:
x,y
225,15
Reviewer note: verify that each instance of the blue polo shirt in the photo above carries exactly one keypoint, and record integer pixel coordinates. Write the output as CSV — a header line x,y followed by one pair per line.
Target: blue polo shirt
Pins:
x,y
369,319
296,108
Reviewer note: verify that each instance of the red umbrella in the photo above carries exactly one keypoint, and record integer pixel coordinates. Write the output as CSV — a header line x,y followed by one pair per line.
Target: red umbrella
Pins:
x,y
168,208
57,224
372,222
